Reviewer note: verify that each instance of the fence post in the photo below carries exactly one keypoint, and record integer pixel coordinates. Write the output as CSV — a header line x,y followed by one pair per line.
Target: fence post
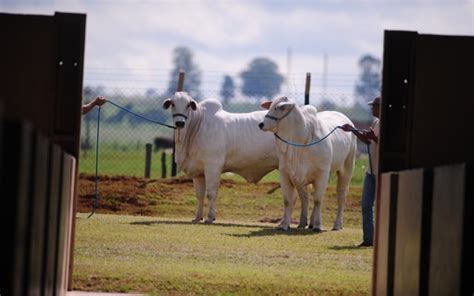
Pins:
x,y
163,164
179,87
148,148
307,88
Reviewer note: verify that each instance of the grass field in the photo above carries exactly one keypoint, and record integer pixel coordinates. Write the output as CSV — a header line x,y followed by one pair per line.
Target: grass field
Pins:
x,y
146,243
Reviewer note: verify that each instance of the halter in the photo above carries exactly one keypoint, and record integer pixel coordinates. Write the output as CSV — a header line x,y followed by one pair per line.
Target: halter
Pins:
x,y
180,114
278,119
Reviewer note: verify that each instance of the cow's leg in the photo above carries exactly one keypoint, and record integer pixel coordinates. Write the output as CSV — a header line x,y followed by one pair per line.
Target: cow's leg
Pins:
x,y
288,191
304,206
343,181
341,192
320,185
311,219
212,184
200,188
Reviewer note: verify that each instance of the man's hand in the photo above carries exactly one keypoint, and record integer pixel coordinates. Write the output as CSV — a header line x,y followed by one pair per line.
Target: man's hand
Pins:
x,y
99,101
371,135
347,127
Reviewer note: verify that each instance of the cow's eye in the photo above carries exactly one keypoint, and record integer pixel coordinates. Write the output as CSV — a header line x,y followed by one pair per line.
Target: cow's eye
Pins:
x,y
172,104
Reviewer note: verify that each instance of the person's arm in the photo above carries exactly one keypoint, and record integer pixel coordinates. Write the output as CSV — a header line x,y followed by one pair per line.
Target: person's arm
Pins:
x,y
370,134
99,101
360,134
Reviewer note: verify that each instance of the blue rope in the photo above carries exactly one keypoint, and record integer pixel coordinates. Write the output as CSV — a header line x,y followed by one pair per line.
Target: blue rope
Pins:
x,y
309,144
96,201
324,138
370,159
140,116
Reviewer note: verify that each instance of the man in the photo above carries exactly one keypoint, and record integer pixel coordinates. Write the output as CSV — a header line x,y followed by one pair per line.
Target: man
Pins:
x,y
99,101
371,137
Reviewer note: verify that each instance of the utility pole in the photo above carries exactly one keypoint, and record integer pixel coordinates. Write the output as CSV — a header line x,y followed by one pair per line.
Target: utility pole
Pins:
x,y
288,69
325,75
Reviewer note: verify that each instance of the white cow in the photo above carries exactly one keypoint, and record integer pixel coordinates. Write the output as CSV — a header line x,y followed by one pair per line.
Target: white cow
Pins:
x,y
211,141
301,166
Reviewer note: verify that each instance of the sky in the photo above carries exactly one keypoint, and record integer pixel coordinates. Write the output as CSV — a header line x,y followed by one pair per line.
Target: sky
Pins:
x,y
129,43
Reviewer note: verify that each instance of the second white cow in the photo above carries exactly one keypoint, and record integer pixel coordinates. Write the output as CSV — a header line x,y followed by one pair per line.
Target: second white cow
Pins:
x,y
211,141
300,166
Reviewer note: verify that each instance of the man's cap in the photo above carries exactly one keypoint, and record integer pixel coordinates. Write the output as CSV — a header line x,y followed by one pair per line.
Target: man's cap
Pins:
x,y
375,101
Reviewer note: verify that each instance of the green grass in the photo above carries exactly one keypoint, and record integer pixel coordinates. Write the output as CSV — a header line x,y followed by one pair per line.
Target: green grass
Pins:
x,y
163,256
129,160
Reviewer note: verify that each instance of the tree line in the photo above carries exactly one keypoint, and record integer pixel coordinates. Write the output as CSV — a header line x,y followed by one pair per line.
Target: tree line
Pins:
x,y
260,79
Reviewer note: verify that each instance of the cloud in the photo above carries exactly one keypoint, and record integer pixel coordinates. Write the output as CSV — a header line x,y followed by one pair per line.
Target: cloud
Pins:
x,y
133,40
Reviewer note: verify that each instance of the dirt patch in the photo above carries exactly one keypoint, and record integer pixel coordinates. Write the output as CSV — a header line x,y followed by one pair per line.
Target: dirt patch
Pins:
x,y
175,197
137,196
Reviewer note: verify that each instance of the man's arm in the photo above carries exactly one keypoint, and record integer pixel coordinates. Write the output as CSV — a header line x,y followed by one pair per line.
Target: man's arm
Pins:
x,y
362,135
99,101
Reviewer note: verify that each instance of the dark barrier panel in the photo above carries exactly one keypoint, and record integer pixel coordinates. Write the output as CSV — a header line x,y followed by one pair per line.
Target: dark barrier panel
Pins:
x,y
14,184
467,284
447,230
64,218
423,77
52,210
36,213
52,48
431,251
408,233
443,80
397,93
385,234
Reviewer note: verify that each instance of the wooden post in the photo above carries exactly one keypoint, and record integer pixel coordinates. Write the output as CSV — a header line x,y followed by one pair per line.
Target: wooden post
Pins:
x,y
148,148
307,88
163,164
179,87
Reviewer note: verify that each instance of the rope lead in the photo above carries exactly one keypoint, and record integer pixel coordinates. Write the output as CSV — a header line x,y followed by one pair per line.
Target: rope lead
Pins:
x,y
322,139
96,201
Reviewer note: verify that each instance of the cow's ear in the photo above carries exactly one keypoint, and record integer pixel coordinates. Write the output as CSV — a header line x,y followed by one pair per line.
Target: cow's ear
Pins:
x,y
166,104
266,105
285,106
193,105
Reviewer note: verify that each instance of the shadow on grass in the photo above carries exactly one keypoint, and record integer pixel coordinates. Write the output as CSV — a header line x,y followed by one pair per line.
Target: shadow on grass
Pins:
x,y
263,230
171,222
350,247
271,231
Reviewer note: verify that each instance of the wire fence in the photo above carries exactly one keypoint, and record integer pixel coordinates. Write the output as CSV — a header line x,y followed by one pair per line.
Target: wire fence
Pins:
x,y
123,137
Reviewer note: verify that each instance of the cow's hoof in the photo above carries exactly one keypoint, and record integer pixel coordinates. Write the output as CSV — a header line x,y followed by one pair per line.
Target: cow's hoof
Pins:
x,y
196,220
336,228
310,226
317,230
302,226
283,228
209,221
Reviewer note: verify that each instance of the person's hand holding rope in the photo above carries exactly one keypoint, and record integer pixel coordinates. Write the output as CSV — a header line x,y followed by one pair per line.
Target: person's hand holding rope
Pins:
x,y
98,101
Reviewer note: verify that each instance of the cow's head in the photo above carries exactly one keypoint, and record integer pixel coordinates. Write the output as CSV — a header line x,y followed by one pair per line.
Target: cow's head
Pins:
x,y
181,105
277,111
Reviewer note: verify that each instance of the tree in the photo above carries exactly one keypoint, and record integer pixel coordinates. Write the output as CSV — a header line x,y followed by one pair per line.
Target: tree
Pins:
x,y
368,86
261,79
183,60
227,89
151,93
